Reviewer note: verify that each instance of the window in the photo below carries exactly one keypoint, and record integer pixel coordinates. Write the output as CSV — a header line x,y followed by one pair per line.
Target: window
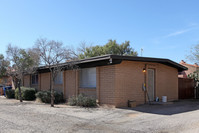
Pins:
x,y
59,78
87,78
35,79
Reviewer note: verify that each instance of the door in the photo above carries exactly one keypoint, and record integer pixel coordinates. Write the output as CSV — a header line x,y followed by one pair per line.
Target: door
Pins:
x,y
151,84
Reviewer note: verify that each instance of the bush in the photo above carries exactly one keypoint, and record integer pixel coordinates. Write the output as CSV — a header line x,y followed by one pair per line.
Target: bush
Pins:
x,y
26,93
10,93
72,101
82,100
45,96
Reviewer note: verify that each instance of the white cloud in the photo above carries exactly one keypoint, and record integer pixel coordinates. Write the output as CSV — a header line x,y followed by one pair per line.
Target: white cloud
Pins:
x,y
193,24
178,32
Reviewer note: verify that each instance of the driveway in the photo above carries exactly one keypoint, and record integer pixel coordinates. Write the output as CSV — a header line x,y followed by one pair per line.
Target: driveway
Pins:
x,y
15,117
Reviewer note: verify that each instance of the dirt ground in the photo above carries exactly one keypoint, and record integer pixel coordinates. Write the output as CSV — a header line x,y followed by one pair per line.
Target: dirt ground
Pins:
x,y
28,117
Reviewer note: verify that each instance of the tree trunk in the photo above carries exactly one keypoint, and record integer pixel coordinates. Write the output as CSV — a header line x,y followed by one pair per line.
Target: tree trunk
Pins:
x,y
52,90
19,87
15,82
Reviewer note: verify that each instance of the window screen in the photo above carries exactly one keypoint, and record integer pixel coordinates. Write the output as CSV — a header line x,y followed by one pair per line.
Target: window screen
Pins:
x,y
59,78
87,78
35,79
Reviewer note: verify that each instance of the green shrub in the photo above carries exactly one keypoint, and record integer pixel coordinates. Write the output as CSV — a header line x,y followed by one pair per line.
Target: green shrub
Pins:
x,y
10,93
29,94
26,93
45,96
59,97
17,93
72,101
82,100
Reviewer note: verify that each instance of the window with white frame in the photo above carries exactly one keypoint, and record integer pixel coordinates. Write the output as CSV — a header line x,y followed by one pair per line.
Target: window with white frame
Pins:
x,y
59,78
35,79
87,78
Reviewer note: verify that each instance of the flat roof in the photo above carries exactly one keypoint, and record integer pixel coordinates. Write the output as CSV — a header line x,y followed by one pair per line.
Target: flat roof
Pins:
x,y
117,59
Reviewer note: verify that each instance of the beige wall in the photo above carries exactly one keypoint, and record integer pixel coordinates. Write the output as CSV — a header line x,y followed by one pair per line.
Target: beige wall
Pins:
x,y
70,83
116,84
106,85
90,92
45,81
167,82
26,81
129,80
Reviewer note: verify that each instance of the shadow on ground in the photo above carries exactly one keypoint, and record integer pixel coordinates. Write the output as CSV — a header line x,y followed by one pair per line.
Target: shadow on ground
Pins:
x,y
181,106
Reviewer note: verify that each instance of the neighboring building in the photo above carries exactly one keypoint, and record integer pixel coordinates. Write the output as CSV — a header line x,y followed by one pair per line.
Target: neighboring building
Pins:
x,y
114,79
6,81
191,69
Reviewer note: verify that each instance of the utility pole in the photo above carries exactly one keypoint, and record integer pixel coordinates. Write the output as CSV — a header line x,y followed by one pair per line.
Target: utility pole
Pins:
x,y
141,51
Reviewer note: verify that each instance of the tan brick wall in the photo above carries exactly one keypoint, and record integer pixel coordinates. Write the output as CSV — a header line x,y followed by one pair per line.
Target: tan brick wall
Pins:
x,y
58,87
70,83
116,84
167,82
90,92
26,81
106,84
129,80
45,81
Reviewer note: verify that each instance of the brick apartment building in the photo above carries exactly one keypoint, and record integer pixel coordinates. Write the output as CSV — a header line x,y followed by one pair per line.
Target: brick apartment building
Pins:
x,y
191,69
114,79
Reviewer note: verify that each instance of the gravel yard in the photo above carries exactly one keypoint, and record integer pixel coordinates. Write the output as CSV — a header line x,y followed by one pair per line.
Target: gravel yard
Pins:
x,y
28,117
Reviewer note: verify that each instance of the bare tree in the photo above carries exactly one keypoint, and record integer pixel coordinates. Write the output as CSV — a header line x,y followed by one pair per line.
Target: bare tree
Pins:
x,y
52,54
22,62
82,47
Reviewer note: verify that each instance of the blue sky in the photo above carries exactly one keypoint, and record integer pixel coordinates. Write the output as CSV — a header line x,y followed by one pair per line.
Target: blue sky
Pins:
x,y
163,28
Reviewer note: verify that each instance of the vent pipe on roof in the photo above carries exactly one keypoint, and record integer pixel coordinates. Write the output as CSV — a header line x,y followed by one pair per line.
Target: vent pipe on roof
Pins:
x,y
141,51
182,61
110,60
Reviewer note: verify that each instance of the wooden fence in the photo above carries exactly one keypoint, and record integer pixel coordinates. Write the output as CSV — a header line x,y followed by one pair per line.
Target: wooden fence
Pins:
x,y
186,88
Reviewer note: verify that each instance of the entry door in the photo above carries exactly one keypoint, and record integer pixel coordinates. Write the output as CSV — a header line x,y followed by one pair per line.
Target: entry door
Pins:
x,y
151,84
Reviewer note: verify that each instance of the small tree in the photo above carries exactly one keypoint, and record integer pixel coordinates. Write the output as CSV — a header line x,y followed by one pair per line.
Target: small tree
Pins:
x,y
22,62
194,75
52,53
